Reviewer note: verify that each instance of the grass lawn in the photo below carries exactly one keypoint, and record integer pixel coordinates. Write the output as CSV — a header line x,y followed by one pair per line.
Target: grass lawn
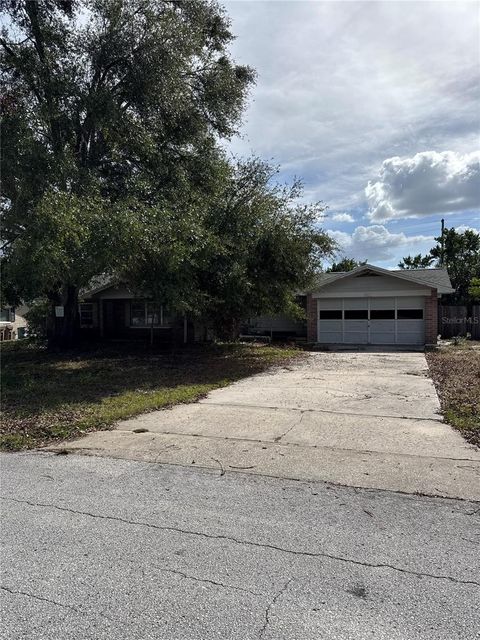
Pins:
x,y
49,397
456,373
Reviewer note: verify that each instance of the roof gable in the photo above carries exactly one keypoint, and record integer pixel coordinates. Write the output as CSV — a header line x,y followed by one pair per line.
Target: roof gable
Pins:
x,y
431,278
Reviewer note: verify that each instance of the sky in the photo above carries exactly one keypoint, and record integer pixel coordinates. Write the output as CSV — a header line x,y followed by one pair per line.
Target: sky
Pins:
x,y
376,106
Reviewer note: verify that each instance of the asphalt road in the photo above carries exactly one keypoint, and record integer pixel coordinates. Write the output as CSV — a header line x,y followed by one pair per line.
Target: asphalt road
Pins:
x,y
95,548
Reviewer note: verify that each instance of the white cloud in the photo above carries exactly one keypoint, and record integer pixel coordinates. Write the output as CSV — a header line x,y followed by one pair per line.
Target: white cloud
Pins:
x,y
342,217
343,85
427,183
463,227
376,244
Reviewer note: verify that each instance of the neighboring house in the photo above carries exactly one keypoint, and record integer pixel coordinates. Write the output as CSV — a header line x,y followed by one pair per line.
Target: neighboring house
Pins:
x,y
370,305
13,325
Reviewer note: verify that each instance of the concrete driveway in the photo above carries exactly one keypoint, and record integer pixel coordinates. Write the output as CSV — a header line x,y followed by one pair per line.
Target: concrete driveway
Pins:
x,y
362,419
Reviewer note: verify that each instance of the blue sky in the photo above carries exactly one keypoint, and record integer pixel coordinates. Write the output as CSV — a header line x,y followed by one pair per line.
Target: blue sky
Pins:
x,y
376,105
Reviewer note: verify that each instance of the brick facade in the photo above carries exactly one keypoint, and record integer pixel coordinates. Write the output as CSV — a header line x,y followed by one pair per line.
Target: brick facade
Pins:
x,y
431,318
311,318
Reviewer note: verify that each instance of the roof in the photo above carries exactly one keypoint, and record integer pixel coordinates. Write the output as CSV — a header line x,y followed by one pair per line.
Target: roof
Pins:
x,y
433,278
100,283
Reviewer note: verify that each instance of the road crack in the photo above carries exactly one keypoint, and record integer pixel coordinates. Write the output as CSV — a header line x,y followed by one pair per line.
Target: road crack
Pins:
x,y
18,592
188,576
271,605
249,543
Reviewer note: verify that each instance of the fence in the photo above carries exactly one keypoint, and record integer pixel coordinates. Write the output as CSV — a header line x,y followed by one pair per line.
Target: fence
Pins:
x,y
458,320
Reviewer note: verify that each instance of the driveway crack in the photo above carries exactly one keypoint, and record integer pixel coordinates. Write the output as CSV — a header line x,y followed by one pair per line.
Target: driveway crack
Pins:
x,y
249,543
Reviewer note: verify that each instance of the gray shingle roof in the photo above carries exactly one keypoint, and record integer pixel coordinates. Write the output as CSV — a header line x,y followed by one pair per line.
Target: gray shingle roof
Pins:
x,y
435,278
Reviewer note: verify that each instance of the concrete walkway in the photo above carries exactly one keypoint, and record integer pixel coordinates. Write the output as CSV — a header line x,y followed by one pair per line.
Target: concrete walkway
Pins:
x,y
358,419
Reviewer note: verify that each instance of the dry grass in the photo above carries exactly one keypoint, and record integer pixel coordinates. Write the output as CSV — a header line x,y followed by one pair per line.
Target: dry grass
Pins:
x,y
50,397
456,373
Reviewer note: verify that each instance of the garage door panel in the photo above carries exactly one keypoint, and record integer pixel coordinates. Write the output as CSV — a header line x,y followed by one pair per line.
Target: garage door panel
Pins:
x,y
355,303
382,331
410,331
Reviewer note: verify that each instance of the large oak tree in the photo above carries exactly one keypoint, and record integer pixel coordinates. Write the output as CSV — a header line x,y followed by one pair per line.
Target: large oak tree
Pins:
x,y
108,108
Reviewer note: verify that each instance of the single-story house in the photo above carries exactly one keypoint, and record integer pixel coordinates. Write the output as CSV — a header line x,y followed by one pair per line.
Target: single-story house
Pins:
x,y
371,305
112,311
368,305
13,324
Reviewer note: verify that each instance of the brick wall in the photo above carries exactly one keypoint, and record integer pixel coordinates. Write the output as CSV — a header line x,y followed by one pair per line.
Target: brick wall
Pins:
x,y
431,318
311,318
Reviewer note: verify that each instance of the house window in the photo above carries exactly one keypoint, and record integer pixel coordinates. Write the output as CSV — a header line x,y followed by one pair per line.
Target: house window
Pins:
x,y
86,314
147,314
410,314
7,314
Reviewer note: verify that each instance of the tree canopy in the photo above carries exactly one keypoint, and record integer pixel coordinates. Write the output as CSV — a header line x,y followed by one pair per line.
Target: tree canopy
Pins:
x,y
459,253
111,119
345,264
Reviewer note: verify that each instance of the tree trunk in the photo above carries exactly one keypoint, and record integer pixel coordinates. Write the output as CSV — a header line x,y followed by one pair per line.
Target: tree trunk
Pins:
x,y
63,332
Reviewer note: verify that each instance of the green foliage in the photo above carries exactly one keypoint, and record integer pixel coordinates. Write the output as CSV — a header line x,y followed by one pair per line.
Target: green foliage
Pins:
x,y
247,250
416,262
36,318
461,257
459,253
345,264
474,288
104,120
112,165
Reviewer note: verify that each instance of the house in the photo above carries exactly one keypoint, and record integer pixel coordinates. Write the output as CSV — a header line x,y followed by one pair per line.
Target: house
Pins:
x,y
112,311
370,305
13,325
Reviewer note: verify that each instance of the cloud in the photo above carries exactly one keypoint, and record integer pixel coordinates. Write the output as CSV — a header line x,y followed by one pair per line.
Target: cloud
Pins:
x,y
342,217
427,183
375,243
343,85
464,227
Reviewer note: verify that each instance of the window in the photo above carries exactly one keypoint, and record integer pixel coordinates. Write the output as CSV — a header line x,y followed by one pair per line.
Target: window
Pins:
x,y
7,314
356,314
147,314
137,314
410,314
382,314
330,314
86,314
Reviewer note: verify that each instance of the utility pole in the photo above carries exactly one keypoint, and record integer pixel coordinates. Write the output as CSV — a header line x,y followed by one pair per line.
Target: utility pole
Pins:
x,y
442,242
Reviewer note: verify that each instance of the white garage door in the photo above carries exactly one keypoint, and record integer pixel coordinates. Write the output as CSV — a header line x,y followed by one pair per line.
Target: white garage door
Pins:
x,y
371,320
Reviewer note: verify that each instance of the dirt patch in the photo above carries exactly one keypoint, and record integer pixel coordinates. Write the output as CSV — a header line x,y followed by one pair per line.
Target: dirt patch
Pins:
x,y
456,375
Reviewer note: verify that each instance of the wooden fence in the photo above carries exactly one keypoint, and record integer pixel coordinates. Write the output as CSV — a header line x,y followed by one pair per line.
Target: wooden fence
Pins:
x,y
458,320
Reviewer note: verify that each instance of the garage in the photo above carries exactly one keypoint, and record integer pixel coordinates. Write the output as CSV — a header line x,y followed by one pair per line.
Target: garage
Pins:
x,y
374,306
382,320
